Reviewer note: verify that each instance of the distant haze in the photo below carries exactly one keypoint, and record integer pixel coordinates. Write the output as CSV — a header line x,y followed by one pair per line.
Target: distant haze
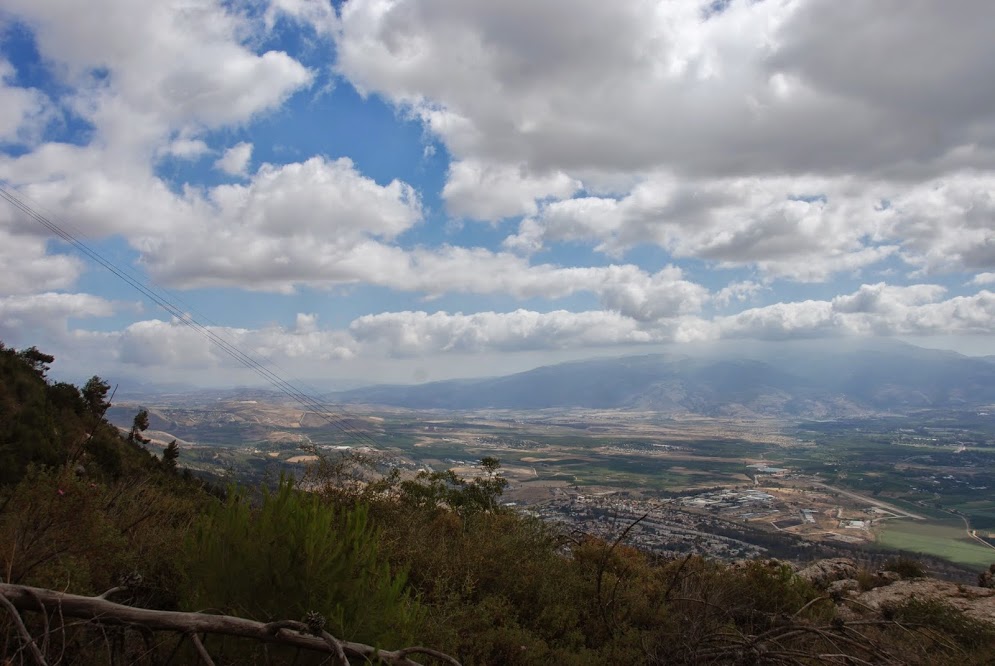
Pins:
x,y
793,379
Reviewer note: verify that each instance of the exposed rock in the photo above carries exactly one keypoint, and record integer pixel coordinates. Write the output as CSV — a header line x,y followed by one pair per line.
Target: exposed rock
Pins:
x,y
841,587
975,602
824,572
770,563
882,578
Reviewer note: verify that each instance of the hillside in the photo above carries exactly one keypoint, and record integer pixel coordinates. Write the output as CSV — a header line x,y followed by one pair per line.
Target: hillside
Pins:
x,y
303,571
796,380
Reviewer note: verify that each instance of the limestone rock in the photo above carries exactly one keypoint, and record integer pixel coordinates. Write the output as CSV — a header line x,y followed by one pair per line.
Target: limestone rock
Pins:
x,y
975,602
824,572
841,587
882,578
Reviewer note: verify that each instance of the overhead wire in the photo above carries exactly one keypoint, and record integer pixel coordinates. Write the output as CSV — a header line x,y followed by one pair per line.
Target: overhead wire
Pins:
x,y
230,349
226,346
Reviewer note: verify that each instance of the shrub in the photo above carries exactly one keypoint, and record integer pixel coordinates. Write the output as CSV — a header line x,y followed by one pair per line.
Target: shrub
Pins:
x,y
954,625
906,567
987,578
295,554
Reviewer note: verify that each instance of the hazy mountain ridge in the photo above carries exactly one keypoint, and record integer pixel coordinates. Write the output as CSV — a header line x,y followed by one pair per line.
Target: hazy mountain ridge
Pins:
x,y
789,380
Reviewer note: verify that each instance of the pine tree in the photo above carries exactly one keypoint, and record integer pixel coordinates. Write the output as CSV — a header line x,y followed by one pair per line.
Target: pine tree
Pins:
x,y
138,426
95,394
170,456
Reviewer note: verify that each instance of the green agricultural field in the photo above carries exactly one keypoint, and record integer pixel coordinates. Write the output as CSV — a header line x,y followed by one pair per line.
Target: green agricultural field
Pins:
x,y
942,540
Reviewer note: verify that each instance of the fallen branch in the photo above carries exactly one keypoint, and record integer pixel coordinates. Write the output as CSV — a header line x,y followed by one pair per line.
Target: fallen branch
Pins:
x,y
297,634
29,642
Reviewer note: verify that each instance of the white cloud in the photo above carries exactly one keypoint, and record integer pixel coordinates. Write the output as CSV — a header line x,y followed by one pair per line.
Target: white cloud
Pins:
x,y
27,268
491,193
155,346
23,111
643,297
150,78
235,160
154,342
948,224
773,87
418,333
174,63
768,135
804,229
186,149
319,14
872,310
887,299
737,292
795,139
311,222
47,312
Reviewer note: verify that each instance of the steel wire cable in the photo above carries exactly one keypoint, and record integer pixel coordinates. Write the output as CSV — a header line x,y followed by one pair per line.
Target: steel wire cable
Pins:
x,y
230,349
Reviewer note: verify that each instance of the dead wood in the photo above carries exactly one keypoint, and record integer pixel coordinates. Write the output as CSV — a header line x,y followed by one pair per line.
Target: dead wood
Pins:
x,y
99,609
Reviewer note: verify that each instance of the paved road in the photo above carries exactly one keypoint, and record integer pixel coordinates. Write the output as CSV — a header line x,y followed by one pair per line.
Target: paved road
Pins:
x,y
967,528
873,502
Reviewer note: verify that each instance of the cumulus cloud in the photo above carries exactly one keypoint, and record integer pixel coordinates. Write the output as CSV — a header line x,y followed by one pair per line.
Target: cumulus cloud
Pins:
x,y
737,292
948,224
758,87
235,160
47,312
152,343
789,140
319,14
417,333
169,63
872,310
23,111
308,222
319,223
878,309
493,192
149,79
185,149
804,229
28,268
751,136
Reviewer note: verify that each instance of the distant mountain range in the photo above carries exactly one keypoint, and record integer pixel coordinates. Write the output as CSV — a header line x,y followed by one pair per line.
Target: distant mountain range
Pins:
x,y
808,379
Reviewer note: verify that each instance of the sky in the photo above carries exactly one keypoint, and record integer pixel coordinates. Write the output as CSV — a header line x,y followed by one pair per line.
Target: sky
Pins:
x,y
408,190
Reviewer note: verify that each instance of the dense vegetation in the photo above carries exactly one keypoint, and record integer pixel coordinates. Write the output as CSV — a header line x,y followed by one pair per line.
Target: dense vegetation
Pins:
x,y
432,559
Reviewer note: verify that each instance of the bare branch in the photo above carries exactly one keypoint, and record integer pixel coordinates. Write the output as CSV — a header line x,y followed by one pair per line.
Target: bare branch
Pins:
x,y
29,642
201,650
287,632
111,592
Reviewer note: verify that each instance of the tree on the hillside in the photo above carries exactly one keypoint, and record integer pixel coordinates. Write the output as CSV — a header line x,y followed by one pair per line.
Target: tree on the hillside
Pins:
x,y
95,394
138,426
39,361
170,455
449,489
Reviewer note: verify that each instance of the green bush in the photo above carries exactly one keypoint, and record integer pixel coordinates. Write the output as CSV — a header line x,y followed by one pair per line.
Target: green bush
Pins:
x,y
296,554
906,567
953,625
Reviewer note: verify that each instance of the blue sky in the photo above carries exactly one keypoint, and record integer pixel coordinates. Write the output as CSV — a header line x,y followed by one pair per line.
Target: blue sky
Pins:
x,y
396,189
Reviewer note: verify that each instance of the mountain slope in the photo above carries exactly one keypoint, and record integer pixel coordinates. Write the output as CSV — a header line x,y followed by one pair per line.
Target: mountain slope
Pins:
x,y
789,379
